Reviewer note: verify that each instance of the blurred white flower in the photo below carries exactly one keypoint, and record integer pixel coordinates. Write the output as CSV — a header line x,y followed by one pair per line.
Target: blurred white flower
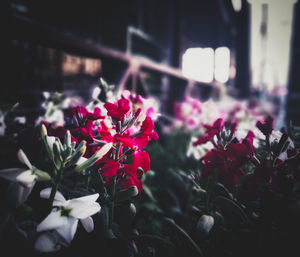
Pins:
x,y
198,151
64,219
20,119
23,176
2,124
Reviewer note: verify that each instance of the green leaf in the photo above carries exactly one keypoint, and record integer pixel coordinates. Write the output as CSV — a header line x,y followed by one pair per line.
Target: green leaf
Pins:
x,y
41,175
231,208
148,192
189,242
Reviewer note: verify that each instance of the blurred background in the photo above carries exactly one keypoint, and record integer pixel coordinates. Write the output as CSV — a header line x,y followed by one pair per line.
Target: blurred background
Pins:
x,y
171,49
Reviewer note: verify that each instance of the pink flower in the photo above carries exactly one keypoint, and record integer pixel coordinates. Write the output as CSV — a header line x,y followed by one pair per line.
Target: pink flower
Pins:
x,y
117,111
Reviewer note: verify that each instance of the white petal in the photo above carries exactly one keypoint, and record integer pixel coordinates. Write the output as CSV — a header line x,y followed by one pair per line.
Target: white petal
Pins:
x,y
47,242
46,94
17,194
96,92
85,211
11,173
88,224
26,178
68,230
50,141
45,193
87,199
84,206
53,221
23,158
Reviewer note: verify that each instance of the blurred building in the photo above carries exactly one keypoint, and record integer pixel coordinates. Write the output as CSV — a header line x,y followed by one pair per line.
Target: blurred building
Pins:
x,y
164,48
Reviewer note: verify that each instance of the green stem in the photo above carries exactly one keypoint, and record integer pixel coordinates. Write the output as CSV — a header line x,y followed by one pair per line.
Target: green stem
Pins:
x,y
112,204
55,187
113,191
52,195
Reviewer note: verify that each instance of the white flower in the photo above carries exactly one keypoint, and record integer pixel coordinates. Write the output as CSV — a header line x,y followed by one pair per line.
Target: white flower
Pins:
x,y
49,241
198,151
20,119
2,124
96,93
65,218
23,176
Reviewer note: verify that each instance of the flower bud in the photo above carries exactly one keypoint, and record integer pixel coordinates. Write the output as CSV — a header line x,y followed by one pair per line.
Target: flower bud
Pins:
x,y
41,175
79,152
57,154
68,139
43,131
126,194
97,156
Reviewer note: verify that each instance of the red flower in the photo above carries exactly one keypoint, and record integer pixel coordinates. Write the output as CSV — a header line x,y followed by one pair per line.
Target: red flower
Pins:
x,y
227,163
141,159
211,131
111,168
81,113
124,139
266,126
104,133
117,111
141,141
253,183
84,133
215,128
95,115
131,178
147,134
148,127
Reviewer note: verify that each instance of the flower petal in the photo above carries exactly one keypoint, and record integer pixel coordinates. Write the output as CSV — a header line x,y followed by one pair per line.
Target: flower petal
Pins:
x,y
17,194
23,158
50,141
82,210
45,193
11,173
26,178
53,221
88,224
68,230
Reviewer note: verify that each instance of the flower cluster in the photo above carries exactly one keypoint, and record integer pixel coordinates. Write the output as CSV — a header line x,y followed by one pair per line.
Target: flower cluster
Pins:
x,y
229,156
108,140
119,123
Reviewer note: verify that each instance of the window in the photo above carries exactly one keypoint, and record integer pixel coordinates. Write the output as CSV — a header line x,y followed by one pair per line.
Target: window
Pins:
x,y
205,64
